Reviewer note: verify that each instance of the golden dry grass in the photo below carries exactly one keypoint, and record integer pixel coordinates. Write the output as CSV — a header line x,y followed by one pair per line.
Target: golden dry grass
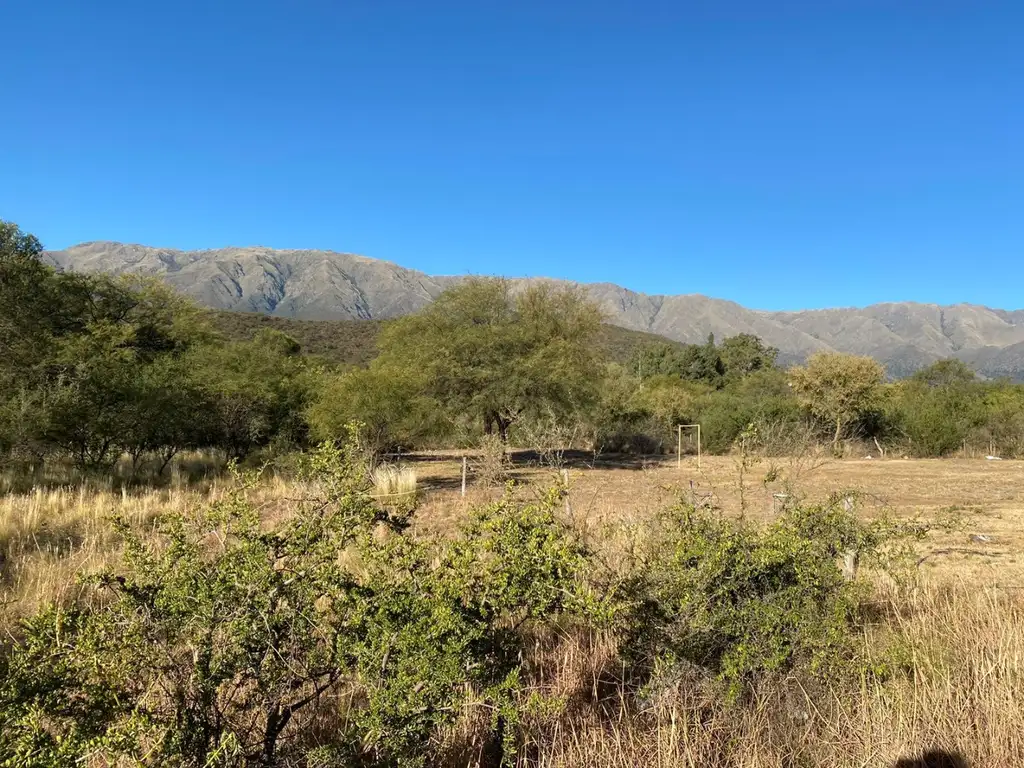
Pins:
x,y
963,696
962,625
49,537
394,482
988,494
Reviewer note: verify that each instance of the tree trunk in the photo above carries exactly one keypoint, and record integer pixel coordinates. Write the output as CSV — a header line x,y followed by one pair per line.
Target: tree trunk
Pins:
x,y
136,457
503,425
837,435
277,719
166,457
494,419
493,753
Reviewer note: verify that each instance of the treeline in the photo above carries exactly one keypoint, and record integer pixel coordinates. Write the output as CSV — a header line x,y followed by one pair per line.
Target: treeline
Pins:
x,y
94,368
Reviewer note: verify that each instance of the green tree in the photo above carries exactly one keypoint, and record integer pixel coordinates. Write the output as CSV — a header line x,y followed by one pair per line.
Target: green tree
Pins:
x,y
482,351
936,421
1002,418
946,373
94,366
703,363
838,388
658,359
74,353
745,354
386,402
736,357
620,420
25,284
256,392
938,408
166,412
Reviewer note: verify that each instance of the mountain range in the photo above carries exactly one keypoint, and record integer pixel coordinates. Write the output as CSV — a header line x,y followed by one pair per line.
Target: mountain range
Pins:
x,y
326,285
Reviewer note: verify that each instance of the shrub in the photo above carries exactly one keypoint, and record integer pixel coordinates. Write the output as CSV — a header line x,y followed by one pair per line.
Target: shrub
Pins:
x,y
491,464
386,403
745,602
212,644
549,436
936,420
722,419
642,419
1003,429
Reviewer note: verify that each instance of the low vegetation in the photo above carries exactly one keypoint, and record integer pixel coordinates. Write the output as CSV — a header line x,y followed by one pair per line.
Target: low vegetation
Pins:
x,y
307,622
354,342
284,602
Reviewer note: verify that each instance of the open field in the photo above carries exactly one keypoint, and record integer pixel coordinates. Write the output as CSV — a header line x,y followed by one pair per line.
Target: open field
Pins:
x,y
987,495
964,620
49,535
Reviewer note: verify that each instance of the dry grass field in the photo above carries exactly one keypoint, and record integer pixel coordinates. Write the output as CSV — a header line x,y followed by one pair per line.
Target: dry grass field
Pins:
x,y
963,621
49,534
987,495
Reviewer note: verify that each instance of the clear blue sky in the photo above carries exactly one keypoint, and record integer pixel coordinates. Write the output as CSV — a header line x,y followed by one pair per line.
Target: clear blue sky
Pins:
x,y
780,154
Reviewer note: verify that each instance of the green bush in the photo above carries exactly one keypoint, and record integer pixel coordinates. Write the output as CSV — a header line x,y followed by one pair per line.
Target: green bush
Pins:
x,y
722,418
213,644
386,402
222,642
1002,430
744,602
935,420
641,417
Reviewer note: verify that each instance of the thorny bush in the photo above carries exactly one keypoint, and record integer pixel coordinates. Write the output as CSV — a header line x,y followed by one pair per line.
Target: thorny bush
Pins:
x,y
216,643
340,637
744,602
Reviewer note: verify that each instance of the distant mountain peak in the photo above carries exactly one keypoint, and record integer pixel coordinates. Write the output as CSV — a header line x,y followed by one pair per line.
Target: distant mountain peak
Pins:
x,y
329,285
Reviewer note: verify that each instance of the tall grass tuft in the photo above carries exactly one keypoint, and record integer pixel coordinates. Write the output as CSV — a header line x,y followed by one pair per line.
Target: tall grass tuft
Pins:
x,y
394,484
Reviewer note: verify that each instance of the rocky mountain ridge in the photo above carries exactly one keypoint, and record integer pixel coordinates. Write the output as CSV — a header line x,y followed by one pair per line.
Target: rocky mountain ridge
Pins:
x,y
324,285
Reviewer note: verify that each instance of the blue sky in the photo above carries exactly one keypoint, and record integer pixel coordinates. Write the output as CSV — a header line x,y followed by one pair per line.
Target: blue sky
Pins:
x,y
780,154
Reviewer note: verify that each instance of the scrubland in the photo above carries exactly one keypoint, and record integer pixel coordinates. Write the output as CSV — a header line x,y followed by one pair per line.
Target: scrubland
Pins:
x,y
941,650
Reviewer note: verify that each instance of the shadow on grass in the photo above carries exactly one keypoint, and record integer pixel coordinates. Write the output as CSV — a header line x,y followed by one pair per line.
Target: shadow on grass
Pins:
x,y
524,458
933,759
576,459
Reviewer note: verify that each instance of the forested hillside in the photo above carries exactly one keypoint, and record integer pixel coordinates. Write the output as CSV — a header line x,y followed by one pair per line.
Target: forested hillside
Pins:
x,y
340,342
354,342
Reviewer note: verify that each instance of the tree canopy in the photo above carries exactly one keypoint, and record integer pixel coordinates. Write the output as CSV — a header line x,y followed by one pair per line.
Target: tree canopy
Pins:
x,y
95,366
485,352
838,388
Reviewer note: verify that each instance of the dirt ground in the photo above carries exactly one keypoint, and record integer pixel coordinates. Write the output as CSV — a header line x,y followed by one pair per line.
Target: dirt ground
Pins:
x,y
987,495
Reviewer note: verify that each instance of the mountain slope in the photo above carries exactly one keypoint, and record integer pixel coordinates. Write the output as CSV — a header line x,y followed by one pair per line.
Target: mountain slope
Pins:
x,y
997,362
315,285
354,342
326,285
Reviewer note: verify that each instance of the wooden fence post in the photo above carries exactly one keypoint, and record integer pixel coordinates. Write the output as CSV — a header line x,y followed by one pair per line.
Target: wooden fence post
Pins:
x,y
565,485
